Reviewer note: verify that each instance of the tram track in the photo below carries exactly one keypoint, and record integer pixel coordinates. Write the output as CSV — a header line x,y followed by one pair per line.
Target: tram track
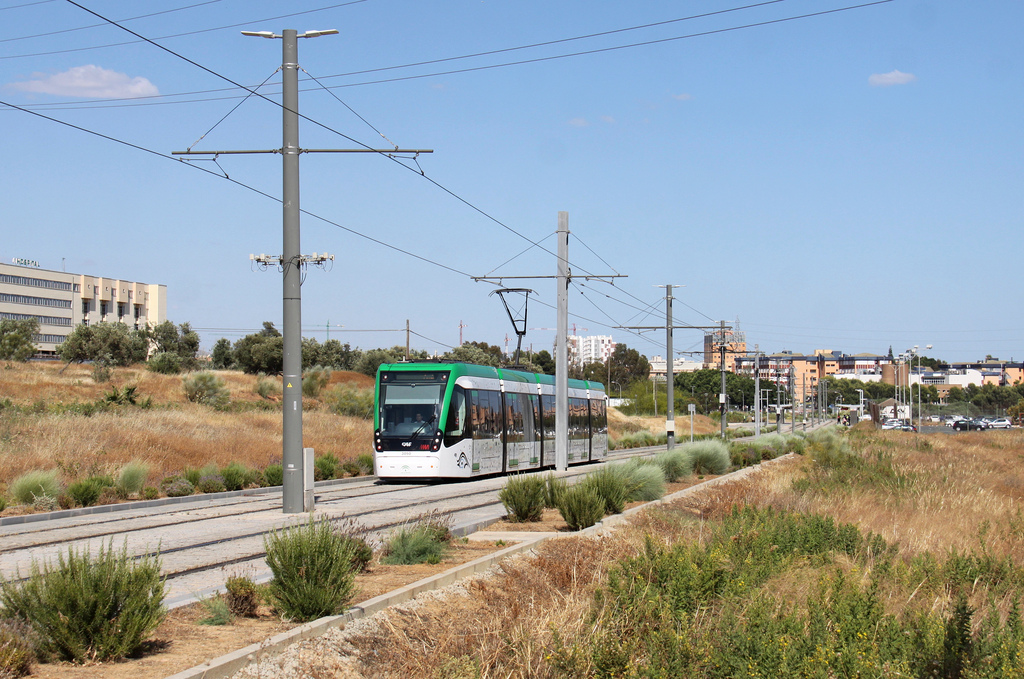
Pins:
x,y
198,540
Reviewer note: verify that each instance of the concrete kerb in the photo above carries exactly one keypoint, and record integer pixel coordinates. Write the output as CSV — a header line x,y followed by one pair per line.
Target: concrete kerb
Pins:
x,y
226,665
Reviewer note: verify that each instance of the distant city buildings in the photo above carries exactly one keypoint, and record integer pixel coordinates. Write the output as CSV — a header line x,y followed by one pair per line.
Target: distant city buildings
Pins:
x,y
60,301
591,349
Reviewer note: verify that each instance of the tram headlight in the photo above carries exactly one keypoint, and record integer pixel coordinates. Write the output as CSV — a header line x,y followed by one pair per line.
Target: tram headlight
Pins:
x,y
436,445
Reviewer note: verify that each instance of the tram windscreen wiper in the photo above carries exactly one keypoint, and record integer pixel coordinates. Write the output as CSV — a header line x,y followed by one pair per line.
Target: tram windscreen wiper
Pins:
x,y
420,428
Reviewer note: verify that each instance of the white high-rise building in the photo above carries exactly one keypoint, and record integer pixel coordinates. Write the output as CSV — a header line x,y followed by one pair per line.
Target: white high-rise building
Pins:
x,y
591,349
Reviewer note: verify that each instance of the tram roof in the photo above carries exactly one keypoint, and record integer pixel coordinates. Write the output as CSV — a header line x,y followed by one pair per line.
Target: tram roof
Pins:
x,y
475,370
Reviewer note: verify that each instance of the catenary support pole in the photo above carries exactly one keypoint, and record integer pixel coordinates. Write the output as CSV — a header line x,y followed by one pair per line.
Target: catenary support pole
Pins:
x,y
670,408
292,293
562,348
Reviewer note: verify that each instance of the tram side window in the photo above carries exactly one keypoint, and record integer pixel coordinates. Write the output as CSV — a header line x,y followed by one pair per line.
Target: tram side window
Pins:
x,y
599,416
514,405
457,427
531,417
485,407
578,425
548,408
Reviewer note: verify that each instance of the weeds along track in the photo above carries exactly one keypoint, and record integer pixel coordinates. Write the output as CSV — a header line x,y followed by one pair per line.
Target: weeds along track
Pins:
x,y
197,541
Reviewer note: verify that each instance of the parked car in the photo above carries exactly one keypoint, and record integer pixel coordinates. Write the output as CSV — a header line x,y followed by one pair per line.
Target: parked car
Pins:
x,y
891,424
968,425
907,427
1000,423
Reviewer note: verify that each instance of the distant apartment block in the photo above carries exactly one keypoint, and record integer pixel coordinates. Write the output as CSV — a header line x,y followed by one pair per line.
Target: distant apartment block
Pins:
x,y
733,340
591,349
60,301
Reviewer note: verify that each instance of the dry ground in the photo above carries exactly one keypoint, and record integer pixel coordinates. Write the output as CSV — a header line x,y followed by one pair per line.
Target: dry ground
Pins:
x,y
181,642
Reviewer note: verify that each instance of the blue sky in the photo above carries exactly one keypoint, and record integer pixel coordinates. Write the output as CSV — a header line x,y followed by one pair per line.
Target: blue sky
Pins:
x,y
848,181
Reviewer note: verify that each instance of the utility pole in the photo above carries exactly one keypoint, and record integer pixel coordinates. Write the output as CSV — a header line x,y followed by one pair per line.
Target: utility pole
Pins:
x,y
722,394
561,347
670,408
292,262
757,392
562,279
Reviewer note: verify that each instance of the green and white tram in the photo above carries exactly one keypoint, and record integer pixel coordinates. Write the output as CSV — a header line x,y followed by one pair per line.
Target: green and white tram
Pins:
x,y
459,420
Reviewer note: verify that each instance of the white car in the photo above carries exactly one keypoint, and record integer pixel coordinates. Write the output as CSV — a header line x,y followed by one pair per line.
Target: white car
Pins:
x,y
1000,423
892,424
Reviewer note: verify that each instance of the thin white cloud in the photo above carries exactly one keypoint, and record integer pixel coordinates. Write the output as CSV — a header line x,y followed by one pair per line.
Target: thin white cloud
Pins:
x,y
579,122
89,82
608,119
891,78
682,97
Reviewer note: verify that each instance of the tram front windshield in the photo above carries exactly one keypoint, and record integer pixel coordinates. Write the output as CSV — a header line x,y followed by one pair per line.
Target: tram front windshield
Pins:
x,y
410,402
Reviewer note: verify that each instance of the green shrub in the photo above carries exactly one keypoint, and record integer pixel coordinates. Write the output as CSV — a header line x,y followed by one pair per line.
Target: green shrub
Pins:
x,y
3,503
675,463
365,462
242,596
710,456
266,387
237,476
121,397
86,492
523,497
90,608
211,483
362,553
217,611
205,388
150,493
274,475
178,487
192,475
313,571
646,480
610,484
30,485
133,477
164,363
17,648
325,467
413,543
346,399
581,506
553,489
314,381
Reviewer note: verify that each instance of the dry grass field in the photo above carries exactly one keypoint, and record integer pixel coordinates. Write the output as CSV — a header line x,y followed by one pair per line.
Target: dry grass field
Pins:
x,y
950,506
43,432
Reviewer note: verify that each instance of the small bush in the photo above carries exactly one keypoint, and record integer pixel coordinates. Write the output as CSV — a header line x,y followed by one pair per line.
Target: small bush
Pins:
x,y
414,543
348,400
314,381
192,475
164,363
211,483
274,475
581,507
237,476
17,648
46,503
325,467
365,462
675,463
90,608
3,503
150,493
523,497
217,611
646,480
86,492
610,484
710,456
205,388
30,485
553,489
242,597
266,387
313,571
133,477
178,487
